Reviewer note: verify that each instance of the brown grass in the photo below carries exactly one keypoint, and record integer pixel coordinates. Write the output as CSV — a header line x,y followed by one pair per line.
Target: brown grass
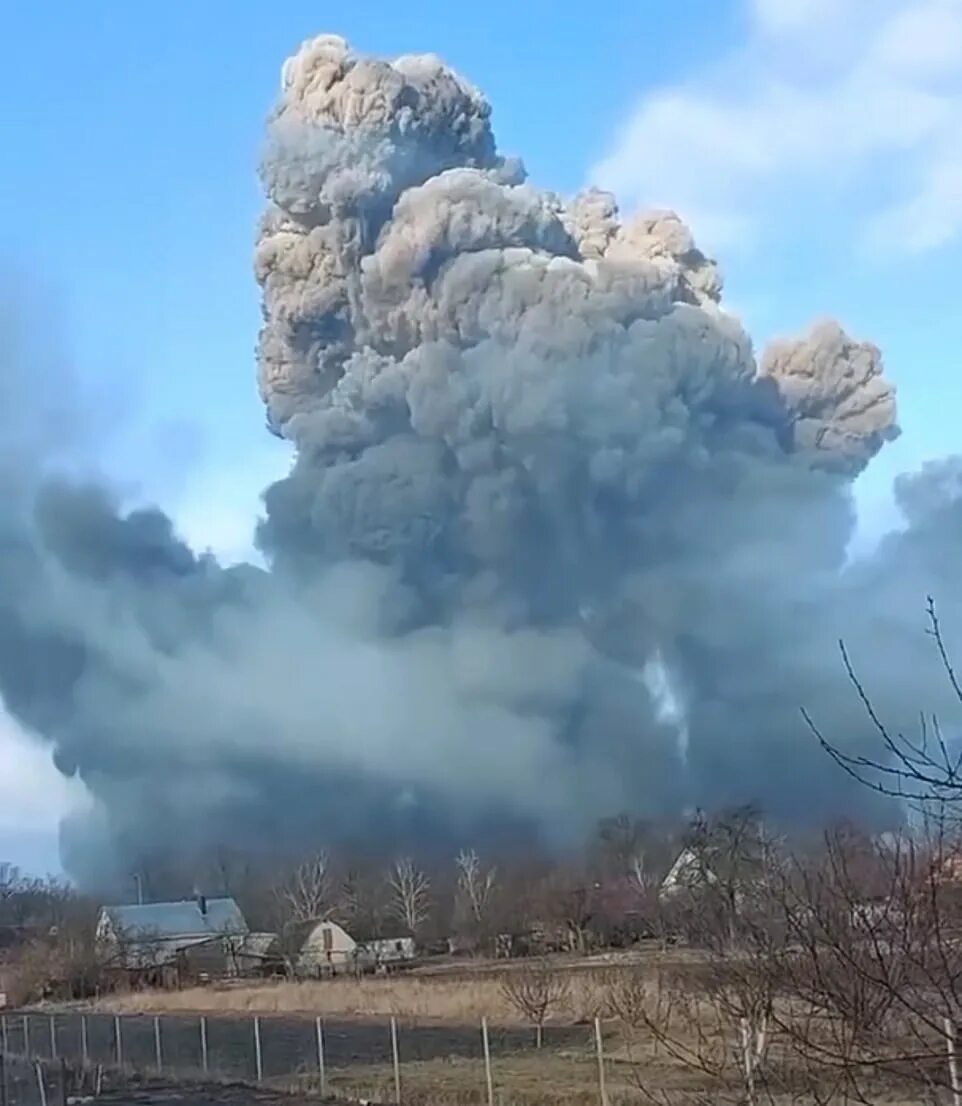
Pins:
x,y
544,1078
447,1001
553,1078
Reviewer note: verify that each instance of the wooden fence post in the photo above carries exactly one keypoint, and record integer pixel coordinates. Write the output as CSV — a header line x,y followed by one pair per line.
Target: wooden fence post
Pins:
x,y
258,1059
203,1044
26,1036
84,1042
487,1061
118,1041
53,1036
41,1085
158,1045
319,1028
397,1062
602,1089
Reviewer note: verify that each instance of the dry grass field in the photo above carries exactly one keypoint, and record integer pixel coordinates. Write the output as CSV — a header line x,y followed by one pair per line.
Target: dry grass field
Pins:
x,y
454,993
454,1001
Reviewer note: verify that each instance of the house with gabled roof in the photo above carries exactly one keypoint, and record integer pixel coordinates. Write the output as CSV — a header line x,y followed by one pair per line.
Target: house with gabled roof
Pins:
x,y
208,935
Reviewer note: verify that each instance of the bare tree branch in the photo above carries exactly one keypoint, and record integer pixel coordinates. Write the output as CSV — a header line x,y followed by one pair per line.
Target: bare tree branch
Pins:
x,y
410,895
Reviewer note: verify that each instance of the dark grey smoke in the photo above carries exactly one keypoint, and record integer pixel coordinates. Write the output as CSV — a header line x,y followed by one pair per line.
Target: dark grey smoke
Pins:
x,y
554,545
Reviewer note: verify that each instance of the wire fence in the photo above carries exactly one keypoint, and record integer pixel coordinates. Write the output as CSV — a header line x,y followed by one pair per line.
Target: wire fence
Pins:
x,y
252,1049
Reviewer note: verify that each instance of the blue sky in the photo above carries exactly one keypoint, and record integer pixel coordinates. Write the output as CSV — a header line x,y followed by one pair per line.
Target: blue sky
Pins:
x,y
814,145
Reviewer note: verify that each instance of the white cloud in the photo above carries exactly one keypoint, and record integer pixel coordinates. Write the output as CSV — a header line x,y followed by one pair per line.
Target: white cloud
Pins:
x,y
850,102
787,16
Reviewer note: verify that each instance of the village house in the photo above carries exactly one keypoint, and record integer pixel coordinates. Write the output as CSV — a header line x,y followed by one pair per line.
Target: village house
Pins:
x,y
169,943
690,872
326,948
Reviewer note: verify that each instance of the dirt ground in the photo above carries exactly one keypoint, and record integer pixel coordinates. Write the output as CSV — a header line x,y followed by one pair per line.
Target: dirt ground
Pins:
x,y
22,1090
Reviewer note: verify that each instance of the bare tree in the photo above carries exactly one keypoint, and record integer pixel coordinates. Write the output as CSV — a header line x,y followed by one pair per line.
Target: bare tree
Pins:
x,y
901,953
476,886
307,893
410,895
362,902
875,930
570,899
721,879
713,1022
635,849
920,770
535,991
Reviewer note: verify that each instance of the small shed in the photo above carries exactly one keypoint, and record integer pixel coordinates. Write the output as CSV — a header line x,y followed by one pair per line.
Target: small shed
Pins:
x,y
389,950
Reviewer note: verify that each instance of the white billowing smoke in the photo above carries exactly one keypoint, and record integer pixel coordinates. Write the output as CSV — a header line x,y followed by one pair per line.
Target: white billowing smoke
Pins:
x,y
668,703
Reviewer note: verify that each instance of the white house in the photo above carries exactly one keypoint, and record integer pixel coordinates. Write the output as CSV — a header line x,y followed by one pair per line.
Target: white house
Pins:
x,y
689,872
328,949
325,948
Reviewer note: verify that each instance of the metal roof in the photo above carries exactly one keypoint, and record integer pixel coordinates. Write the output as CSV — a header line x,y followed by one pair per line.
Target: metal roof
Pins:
x,y
158,920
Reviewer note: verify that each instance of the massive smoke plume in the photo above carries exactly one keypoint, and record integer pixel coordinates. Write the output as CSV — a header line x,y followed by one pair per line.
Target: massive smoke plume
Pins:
x,y
555,543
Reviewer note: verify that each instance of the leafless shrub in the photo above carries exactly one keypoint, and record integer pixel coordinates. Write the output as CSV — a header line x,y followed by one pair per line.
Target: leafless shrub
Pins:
x,y
535,991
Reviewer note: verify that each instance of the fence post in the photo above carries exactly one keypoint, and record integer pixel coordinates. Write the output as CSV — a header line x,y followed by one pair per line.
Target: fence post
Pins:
x,y
320,1055
487,1061
53,1036
64,1096
397,1062
26,1036
41,1086
602,1089
258,1059
84,1042
158,1047
4,1044
3,1078
119,1041
203,1044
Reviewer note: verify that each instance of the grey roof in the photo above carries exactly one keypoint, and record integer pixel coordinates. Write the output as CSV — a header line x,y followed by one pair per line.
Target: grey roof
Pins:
x,y
159,920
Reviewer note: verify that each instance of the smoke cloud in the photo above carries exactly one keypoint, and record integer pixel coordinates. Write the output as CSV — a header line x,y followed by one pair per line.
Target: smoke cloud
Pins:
x,y
555,543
